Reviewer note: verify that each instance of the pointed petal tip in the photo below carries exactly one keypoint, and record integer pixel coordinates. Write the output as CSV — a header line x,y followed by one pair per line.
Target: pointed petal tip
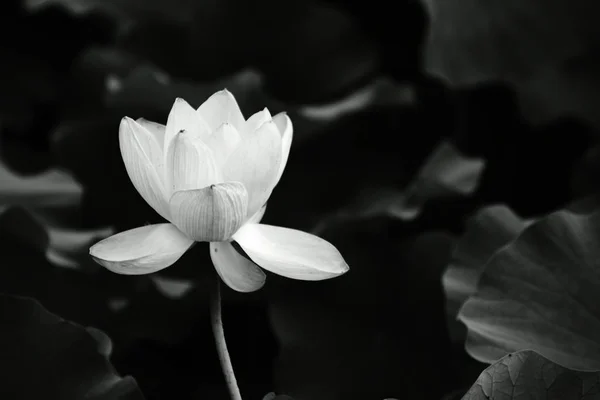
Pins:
x,y
179,102
125,121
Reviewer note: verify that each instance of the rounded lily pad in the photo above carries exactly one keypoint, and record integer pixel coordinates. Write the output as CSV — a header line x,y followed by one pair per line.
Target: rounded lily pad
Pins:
x,y
541,292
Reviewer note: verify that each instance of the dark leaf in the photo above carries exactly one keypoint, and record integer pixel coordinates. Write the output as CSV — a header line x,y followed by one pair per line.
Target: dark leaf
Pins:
x,y
540,292
178,10
445,174
487,232
322,47
44,356
570,88
470,41
527,374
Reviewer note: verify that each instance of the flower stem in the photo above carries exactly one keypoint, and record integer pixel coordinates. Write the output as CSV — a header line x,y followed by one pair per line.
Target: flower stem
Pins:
x,y
216,321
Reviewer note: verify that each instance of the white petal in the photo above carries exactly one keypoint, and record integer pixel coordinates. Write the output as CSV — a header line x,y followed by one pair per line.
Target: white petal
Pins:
x,y
286,129
291,253
256,121
235,270
141,250
221,108
191,164
255,163
184,118
223,142
142,157
211,214
156,129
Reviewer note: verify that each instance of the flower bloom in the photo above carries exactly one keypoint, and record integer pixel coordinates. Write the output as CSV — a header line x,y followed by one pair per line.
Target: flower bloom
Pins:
x,y
210,172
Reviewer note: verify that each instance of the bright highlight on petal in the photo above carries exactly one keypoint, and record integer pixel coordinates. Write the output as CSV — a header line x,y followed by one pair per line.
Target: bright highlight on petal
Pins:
x,y
143,160
286,129
141,250
235,270
211,214
255,163
190,164
221,108
291,253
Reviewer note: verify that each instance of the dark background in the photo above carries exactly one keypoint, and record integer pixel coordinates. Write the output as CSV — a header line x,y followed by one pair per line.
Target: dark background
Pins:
x,y
378,331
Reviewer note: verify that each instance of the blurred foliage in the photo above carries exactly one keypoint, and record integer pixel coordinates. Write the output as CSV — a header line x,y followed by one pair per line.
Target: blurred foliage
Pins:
x,y
431,141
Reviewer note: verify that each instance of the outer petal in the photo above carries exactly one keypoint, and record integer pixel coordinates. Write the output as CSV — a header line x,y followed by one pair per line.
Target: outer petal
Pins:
x,y
190,164
256,121
291,253
212,214
141,250
237,271
221,108
143,160
255,163
223,142
184,117
286,129
157,130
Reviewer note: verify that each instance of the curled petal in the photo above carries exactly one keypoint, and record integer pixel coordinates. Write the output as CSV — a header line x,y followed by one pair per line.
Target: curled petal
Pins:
x,y
141,250
256,121
221,108
157,130
286,129
143,161
223,142
255,163
291,253
183,117
190,163
235,270
211,214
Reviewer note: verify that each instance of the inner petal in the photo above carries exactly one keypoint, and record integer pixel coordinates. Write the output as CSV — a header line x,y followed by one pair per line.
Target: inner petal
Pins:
x,y
191,164
221,108
183,117
255,163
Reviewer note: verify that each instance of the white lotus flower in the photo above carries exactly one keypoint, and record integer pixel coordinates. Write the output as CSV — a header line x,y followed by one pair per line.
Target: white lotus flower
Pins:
x,y
210,172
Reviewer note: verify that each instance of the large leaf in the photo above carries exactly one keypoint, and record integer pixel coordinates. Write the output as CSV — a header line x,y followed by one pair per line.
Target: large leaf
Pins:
x,y
541,292
528,375
487,232
46,357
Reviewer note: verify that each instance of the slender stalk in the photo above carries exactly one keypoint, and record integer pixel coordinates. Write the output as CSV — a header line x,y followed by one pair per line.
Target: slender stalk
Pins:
x,y
216,321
